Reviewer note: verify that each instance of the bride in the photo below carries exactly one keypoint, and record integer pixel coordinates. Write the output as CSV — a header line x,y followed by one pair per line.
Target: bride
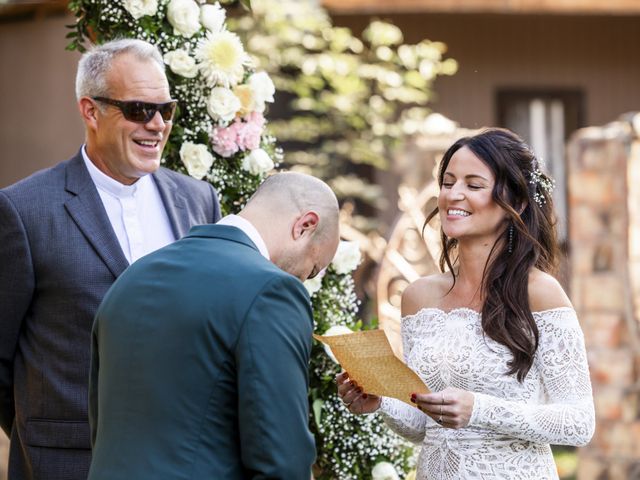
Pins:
x,y
495,337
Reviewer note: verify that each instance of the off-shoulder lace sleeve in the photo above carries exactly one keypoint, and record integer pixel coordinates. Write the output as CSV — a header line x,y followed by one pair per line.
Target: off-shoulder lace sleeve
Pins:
x,y
567,416
405,420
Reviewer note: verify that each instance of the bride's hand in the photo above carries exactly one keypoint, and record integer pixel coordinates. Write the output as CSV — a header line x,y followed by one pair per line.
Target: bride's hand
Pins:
x,y
353,397
450,407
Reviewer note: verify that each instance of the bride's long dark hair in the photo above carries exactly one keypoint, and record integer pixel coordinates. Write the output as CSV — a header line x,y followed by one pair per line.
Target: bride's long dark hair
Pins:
x,y
519,190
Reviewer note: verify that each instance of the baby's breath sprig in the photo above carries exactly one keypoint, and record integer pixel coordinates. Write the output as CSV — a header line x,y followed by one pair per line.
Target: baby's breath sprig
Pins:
x,y
541,181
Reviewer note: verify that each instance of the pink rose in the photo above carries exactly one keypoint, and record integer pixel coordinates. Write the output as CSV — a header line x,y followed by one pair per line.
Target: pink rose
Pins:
x,y
250,131
223,140
243,134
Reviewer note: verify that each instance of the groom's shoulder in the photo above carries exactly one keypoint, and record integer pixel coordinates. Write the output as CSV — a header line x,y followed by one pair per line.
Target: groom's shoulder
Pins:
x,y
271,277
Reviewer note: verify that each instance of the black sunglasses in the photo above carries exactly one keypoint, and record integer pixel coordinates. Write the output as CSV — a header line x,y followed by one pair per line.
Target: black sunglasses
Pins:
x,y
142,112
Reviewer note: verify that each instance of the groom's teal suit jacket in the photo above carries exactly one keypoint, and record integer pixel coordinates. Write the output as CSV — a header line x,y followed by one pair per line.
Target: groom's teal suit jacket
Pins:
x,y
199,366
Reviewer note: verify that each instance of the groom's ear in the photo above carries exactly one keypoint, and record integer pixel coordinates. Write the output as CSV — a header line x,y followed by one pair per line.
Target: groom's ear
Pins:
x,y
305,225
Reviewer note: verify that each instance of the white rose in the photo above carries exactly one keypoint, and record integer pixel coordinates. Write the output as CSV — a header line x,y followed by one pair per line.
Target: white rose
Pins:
x,y
347,257
384,471
184,16
222,104
197,158
263,90
257,162
212,17
140,8
181,63
313,284
335,330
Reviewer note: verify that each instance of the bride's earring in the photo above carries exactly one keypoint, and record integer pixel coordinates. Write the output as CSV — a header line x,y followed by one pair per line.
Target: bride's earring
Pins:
x,y
510,243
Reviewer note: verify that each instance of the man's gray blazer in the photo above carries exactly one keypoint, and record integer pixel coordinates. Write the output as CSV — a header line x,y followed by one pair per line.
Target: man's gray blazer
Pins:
x,y
58,257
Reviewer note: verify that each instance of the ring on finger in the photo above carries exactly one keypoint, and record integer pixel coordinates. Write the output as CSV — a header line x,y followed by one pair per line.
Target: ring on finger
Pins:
x,y
440,419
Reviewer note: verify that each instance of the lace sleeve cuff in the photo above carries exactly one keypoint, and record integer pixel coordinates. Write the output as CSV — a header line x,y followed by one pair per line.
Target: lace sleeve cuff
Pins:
x,y
479,407
406,421
385,406
475,410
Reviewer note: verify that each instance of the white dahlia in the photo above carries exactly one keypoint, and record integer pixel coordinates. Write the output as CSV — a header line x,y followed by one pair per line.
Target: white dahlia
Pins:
x,y
221,59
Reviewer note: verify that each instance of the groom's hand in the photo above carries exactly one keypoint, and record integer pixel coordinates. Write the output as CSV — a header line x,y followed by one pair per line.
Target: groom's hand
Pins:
x,y
354,398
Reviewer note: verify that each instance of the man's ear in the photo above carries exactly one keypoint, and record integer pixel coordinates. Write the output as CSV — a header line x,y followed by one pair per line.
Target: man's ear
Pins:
x,y
88,112
306,224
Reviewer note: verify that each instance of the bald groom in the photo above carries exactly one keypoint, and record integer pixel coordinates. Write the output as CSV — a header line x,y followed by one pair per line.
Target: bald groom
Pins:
x,y
200,350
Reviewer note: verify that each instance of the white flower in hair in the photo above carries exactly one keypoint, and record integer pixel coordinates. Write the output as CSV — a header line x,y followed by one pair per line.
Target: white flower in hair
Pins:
x,y
223,104
347,257
539,179
140,8
331,331
197,159
181,63
384,471
221,58
184,17
257,162
212,17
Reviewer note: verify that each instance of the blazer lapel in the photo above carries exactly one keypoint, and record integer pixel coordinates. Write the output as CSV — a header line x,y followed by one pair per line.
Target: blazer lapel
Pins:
x,y
174,203
87,211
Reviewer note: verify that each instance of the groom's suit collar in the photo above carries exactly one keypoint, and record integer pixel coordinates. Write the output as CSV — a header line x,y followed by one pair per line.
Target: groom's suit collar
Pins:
x,y
87,211
225,232
249,230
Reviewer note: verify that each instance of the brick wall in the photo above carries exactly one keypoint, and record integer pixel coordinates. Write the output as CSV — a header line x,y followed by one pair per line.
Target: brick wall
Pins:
x,y
604,223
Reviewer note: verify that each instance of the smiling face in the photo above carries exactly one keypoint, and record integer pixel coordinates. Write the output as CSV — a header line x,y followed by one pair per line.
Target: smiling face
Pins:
x,y
465,202
122,149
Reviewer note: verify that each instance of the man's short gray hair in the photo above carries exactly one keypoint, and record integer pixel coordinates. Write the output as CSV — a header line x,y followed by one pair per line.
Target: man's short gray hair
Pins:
x,y
91,79
300,192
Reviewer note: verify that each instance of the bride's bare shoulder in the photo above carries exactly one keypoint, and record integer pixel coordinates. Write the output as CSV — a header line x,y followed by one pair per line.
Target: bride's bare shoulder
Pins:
x,y
425,292
545,292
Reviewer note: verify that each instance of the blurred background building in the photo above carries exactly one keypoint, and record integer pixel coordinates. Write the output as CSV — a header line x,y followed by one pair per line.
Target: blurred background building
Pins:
x,y
563,74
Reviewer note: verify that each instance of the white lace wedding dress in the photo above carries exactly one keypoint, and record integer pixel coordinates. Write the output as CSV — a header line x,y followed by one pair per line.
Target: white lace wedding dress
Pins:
x,y
512,423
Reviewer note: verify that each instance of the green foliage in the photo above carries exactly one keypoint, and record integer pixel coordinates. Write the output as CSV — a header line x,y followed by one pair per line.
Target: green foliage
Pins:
x,y
353,100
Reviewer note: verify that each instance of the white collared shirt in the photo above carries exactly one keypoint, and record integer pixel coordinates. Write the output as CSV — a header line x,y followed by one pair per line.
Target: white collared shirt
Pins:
x,y
249,230
136,212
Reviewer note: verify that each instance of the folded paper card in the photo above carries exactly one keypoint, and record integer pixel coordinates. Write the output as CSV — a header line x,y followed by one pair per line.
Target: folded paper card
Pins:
x,y
368,358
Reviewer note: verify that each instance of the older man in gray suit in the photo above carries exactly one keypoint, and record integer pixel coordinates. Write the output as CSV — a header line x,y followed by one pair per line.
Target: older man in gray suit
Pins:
x,y
66,234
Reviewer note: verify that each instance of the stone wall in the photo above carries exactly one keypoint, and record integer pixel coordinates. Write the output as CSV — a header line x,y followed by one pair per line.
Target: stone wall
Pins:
x,y
604,223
